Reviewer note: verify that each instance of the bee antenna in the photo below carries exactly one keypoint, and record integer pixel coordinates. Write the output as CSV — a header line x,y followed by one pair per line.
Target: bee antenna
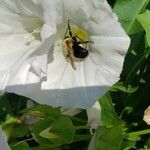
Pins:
x,y
69,28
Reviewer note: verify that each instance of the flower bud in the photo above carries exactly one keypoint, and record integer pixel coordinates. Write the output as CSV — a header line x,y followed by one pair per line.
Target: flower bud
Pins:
x,y
146,117
94,116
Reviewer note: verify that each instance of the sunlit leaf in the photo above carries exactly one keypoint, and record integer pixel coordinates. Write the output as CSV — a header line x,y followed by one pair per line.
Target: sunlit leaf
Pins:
x,y
144,19
121,86
40,126
108,115
61,131
127,145
127,11
107,139
43,111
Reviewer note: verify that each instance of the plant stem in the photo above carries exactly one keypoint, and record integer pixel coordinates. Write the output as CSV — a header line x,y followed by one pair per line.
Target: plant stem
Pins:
x,y
23,141
81,127
82,138
138,133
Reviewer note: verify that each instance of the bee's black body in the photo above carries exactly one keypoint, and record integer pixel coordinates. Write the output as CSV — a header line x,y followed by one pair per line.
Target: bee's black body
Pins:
x,y
79,52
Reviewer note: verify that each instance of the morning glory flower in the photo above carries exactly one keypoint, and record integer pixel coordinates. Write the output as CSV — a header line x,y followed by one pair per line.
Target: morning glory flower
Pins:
x,y
37,49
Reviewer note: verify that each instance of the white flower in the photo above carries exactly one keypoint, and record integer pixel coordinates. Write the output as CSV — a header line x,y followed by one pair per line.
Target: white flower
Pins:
x,y
146,116
31,56
94,116
3,141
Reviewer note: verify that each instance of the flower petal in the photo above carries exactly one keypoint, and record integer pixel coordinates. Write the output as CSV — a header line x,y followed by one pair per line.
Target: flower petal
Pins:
x,y
63,86
104,22
3,141
109,52
22,54
77,11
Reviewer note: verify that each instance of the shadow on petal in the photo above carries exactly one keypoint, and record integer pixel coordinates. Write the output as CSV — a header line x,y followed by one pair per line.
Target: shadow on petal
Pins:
x,y
79,97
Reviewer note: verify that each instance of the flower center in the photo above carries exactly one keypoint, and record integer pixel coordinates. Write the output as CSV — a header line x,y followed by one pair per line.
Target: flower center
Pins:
x,y
80,33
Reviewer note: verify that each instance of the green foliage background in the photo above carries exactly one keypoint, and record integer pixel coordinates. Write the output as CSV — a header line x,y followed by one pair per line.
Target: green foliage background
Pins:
x,y
123,106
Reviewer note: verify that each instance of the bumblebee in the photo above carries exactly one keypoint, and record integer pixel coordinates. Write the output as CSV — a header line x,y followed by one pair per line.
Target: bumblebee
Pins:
x,y
73,49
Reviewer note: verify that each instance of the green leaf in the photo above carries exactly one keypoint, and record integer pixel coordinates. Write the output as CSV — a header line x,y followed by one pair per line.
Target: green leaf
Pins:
x,y
43,111
121,86
11,104
15,130
39,127
140,99
135,61
137,66
144,19
61,131
108,115
127,145
127,11
21,146
107,139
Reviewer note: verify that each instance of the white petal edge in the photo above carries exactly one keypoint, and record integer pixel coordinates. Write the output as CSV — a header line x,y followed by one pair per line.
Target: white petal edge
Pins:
x,y
3,141
20,51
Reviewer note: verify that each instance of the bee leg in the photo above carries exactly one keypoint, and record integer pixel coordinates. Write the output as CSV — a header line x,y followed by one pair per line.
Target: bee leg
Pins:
x,y
85,42
66,34
73,65
71,60
79,39
69,28
82,42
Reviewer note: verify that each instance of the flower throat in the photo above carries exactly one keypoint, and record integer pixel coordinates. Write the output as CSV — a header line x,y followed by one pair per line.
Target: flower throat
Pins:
x,y
75,44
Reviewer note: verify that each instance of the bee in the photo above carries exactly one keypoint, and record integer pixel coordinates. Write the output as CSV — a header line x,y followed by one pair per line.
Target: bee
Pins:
x,y
73,49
